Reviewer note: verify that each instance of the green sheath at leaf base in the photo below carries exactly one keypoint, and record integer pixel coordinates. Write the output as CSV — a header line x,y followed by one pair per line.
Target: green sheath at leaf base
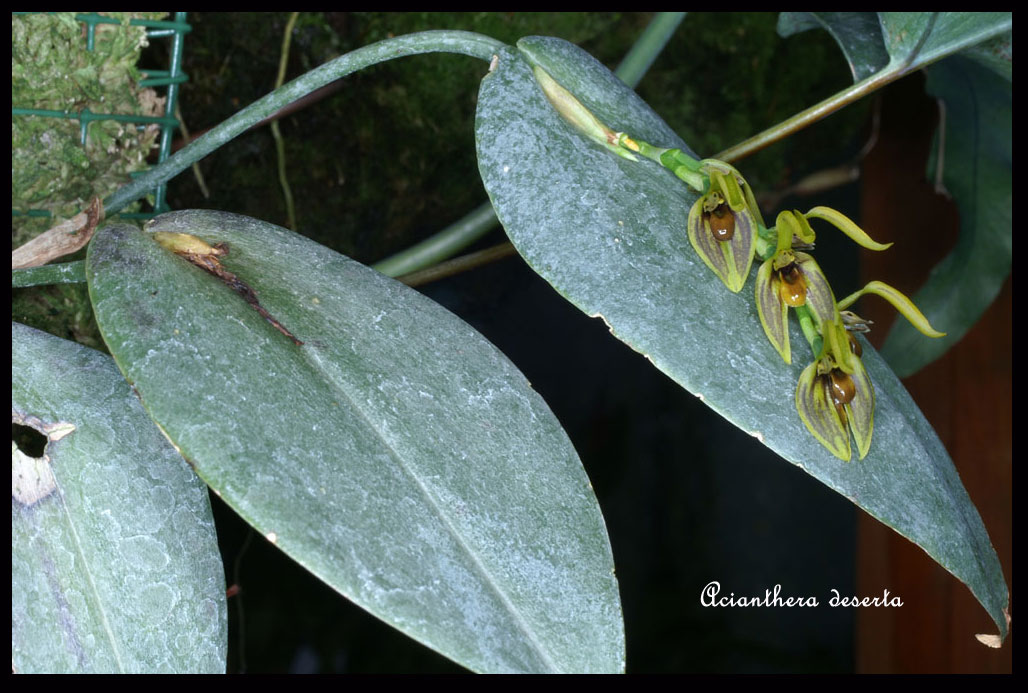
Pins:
x,y
579,116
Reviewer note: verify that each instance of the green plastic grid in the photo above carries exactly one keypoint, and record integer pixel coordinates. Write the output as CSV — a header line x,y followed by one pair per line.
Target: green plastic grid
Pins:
x,y
171,78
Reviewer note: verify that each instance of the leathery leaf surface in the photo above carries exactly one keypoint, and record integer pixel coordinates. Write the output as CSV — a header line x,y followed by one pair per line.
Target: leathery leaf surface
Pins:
x,y
609,234
114,558
397,454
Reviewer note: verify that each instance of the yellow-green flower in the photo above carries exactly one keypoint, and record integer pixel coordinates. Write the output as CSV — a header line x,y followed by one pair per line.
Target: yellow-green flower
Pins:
x,y
791,279
835,397
723,222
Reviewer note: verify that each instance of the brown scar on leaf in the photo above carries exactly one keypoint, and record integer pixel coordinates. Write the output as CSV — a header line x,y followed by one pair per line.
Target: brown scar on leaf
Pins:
x,y
32,478
205,256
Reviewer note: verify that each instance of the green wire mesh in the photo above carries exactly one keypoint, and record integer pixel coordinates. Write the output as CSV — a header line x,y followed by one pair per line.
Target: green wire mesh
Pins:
x,y
173,30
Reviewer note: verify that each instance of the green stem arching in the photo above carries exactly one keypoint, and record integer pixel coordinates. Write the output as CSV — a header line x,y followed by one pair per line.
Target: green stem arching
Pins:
x,y
448,241
460,42
481,220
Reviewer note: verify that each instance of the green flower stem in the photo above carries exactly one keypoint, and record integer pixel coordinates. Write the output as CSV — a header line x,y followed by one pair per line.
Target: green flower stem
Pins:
x,y
914,61
673,160
678,162
460,42
648,46
482,219
811,115
645,148
64,273
809,330
899,67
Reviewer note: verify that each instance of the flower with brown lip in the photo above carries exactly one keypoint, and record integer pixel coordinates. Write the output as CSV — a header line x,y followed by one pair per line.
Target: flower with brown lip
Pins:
x,y
723,223
834,396
792,279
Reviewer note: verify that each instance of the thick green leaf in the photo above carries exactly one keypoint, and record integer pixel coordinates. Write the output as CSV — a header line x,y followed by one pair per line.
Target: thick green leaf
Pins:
x,y
914,39
876,41
859,35
996,54
609,234
978,174
114,559
396,454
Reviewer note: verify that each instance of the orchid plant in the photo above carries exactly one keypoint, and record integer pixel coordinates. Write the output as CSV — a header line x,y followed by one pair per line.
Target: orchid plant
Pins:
x,y
391,450
834,396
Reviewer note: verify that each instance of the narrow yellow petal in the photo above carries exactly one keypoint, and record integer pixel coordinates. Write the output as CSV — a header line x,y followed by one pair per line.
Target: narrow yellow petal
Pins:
x,y
787,227
846,225
899,301
806,233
